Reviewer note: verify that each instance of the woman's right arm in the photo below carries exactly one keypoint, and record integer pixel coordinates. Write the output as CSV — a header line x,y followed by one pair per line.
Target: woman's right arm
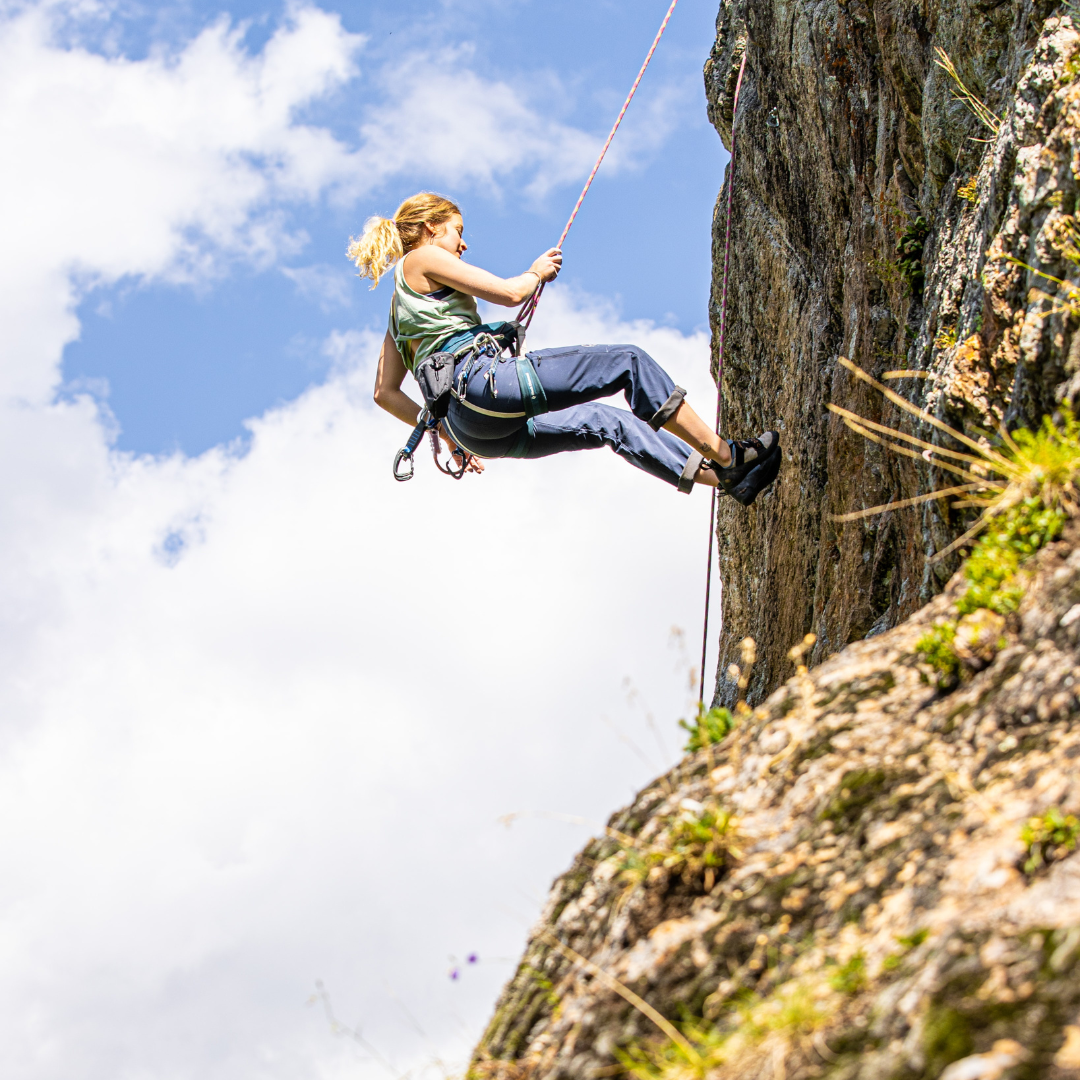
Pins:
x,y
388,380
446,269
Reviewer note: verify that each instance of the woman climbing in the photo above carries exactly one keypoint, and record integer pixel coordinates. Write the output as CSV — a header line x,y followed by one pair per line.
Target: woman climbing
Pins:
x,y
544,402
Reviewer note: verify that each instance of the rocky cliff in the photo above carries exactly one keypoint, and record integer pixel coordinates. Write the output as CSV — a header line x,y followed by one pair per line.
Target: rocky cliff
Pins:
x,y
872,211
874,873
872,878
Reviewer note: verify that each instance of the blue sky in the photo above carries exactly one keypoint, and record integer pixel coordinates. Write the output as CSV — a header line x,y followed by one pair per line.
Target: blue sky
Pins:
x,y
185,366
245,742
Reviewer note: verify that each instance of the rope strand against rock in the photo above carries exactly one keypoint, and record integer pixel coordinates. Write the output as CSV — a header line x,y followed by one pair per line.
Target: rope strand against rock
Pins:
x,y
720,379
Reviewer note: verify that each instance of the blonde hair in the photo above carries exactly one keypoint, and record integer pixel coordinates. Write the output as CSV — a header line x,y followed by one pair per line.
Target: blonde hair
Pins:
x,y
386,240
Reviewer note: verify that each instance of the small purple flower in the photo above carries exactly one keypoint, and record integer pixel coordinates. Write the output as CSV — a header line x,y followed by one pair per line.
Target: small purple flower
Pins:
x,y
472,958
454,974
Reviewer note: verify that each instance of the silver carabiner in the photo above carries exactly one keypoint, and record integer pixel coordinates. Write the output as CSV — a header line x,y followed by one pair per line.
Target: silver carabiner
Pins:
x,y
403,455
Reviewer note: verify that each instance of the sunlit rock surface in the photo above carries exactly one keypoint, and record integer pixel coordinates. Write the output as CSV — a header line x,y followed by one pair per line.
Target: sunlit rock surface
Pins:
x,y
878,913
848,133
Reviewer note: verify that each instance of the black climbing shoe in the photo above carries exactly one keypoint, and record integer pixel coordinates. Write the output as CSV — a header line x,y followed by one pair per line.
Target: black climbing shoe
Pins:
x,y
754,466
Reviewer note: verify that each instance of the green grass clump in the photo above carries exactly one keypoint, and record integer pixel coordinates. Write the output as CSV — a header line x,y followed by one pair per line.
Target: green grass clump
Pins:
x,y
850,978
1049,837
1009,539
702,845
969,192
936,649
708,727
672,1061
858,788
697,847
913,941
907,942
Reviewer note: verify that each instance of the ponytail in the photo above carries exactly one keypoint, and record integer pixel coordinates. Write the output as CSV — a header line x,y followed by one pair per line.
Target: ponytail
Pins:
x,y
386,240
377,250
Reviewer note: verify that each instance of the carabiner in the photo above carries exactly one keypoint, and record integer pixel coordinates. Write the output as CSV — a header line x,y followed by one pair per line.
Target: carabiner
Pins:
x,y
403,455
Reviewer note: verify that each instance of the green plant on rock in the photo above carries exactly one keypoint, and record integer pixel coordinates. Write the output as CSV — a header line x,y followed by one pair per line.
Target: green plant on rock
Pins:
x,y
936,647
1009,540
702,845
697,846
674,1061
907,942
858,788
1042,464
947,337
850,977
978,107
1048,838
710,726
887,271
794,1012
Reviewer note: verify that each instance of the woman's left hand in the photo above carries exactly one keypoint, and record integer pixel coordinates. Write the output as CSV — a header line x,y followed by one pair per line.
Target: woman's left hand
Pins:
x,y
472,462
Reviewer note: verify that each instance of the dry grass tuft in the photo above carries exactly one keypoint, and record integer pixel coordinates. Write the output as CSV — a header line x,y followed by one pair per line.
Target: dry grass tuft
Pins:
x,y
1042,464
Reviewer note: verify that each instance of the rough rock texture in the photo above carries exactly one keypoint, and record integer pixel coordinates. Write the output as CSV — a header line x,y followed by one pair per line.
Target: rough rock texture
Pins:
x,y
848,132
874,908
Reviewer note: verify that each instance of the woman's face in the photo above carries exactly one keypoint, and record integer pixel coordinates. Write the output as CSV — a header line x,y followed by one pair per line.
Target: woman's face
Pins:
x,y
448,236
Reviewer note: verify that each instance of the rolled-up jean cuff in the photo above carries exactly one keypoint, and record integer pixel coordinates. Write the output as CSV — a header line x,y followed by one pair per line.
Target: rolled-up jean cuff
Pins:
x,y
668,409
686,480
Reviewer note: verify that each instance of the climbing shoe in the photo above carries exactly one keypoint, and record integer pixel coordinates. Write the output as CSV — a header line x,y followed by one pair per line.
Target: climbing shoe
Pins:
x,y
755,464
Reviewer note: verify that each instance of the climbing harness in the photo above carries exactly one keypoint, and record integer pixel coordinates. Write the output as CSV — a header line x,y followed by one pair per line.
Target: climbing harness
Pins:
x,y
511,336
720,378
435,376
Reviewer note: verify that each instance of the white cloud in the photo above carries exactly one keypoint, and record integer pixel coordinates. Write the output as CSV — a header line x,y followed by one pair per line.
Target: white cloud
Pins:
x,y
446,120
261,711
166,166
153,167
329,287
282,756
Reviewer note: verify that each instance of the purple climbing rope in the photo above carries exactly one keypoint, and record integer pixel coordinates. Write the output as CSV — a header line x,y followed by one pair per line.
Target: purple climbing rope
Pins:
x,y
525,315
720,379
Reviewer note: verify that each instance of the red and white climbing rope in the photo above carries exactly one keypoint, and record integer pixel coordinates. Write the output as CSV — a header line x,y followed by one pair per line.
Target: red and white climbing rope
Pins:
x,y
529,307
720,377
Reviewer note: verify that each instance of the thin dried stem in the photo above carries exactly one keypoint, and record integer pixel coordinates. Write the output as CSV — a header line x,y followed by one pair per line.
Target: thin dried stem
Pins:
x,y
923,414
955,470
907,374
665,1025
976,105
856,515
955,454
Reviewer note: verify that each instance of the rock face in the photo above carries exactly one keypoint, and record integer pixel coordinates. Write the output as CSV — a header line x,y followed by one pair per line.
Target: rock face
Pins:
x,y
873,907
849,132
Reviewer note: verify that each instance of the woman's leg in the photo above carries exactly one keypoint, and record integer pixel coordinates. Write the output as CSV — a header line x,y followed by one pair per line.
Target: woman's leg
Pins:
x,y
592,425
579,375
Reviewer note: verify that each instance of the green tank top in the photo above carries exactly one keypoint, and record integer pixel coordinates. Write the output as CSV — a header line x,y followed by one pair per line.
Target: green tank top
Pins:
x,y
419,322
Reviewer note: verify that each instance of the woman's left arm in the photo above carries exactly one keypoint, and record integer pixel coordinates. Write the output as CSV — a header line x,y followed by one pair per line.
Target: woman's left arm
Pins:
x,y
391,374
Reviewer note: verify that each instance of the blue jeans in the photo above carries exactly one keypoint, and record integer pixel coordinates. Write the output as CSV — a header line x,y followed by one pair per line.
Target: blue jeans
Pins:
x,y
492,421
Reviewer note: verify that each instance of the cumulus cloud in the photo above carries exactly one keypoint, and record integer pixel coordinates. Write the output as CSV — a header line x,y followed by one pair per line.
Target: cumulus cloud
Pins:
x,y
279,753
263,708
327,286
